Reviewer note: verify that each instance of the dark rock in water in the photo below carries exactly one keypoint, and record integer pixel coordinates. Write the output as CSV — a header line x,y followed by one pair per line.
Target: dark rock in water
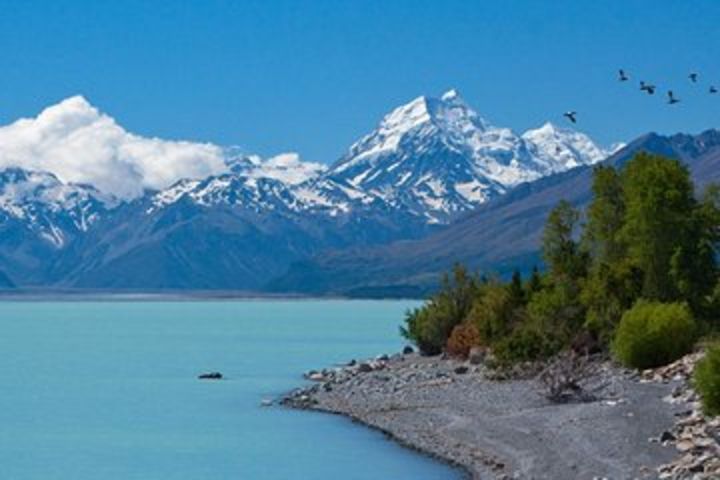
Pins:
x,y
408,350
364,368
667,436
382,358
352,363
210,376
462,369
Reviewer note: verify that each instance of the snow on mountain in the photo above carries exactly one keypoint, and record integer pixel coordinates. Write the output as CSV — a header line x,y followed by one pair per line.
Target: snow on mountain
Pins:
x,y
438,157
50,208
257,194
431,159
286,167
559,149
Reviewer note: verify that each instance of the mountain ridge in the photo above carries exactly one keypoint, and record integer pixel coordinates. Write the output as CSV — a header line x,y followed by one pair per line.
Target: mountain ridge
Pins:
x,y
426,163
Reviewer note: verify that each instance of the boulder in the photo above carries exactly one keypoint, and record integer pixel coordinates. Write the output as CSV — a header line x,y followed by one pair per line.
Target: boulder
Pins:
x,y
364,368
408,350
476,355
316,377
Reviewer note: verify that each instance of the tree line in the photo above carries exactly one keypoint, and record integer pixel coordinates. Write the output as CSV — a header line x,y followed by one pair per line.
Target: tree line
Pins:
x,y
635,274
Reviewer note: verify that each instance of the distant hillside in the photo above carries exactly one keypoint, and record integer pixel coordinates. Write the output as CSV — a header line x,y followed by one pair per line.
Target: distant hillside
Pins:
x,y
498,236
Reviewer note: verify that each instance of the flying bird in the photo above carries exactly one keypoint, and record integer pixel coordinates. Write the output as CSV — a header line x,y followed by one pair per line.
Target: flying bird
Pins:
x,y
713,89
622,76
650,89
571,116
693,77
671,98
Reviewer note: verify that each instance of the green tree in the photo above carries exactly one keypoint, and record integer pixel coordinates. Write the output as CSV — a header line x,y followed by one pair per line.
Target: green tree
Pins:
x,y
608,292
612,285
493,312
693,267
659,206
534,283
430,326
516,289
561,252
605,217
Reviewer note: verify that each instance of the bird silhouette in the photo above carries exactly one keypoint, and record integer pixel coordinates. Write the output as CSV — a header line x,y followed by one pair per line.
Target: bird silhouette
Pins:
x,y
571,116
671,98
693,77
712,89
650,89
622,76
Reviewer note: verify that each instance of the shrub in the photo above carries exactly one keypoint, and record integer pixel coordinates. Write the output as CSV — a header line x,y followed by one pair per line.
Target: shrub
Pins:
x,y
557,313
651,334
462,339
429,326
707,379
492,312
525,343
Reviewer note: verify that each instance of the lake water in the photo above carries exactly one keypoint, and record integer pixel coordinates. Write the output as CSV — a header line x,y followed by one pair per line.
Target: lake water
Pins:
x,y
108,390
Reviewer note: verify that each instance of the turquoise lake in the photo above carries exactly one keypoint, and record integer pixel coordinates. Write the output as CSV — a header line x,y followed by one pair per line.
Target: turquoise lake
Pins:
x,y
108,390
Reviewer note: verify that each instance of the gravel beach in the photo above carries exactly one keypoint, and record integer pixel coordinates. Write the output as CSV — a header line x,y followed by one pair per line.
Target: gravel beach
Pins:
x,y
493,429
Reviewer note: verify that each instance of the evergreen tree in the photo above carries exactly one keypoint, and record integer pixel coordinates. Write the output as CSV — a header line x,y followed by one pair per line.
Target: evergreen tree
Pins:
x,y
534,283
693,266
561,252
516,290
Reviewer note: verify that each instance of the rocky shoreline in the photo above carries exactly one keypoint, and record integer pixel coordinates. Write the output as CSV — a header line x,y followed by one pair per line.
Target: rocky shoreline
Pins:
x,y
632,425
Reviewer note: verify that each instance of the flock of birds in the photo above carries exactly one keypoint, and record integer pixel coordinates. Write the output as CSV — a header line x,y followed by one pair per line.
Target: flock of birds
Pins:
x,y
650,90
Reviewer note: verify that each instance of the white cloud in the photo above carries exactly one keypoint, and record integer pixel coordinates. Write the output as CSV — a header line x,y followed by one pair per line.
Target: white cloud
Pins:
x,y
77,143
288,168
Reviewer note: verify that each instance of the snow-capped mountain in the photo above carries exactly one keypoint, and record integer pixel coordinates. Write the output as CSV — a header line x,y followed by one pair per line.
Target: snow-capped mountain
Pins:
x,y
438,157
432,158
48,207
85,203
557,149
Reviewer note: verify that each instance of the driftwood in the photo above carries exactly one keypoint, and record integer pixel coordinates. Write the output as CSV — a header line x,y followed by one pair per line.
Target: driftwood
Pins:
x,y
568,376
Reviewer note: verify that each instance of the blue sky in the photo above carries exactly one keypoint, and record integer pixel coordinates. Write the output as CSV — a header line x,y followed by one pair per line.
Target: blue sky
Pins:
x,y
312,76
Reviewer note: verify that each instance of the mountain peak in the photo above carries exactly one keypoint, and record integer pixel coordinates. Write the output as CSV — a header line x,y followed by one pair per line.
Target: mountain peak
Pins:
x,y
444,112
407,116
560,148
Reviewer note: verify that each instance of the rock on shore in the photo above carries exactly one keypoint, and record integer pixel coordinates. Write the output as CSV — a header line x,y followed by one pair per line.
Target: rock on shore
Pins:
x,y
695,436
509,429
